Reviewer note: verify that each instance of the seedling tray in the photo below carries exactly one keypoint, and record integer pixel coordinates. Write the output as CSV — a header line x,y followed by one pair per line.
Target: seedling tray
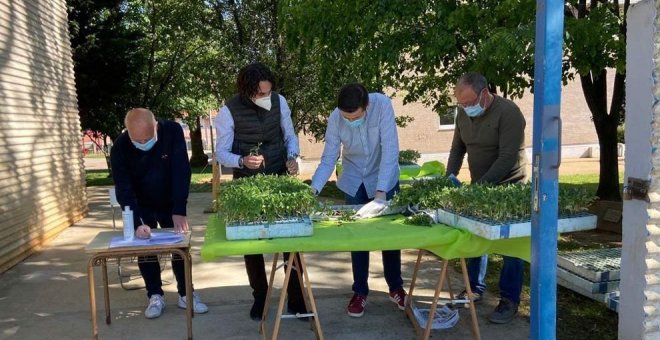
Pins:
x,y
610,299
594,265
586,286
292,227
495,231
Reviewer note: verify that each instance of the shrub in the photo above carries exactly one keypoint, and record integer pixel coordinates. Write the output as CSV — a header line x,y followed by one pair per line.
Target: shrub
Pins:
x,y
620,135
408,156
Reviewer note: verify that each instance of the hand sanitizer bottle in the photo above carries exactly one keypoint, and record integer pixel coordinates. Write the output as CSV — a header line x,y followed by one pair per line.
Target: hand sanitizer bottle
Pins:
x,y
127,216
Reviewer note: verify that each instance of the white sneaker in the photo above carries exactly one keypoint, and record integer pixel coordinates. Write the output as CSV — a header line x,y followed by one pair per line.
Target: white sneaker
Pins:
x,y
198,306
156,306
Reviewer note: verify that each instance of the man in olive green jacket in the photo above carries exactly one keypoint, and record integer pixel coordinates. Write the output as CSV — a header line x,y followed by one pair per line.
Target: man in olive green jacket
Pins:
x,y
491,130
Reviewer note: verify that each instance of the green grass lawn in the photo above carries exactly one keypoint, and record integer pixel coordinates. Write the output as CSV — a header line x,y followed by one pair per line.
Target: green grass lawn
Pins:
x,y
200,181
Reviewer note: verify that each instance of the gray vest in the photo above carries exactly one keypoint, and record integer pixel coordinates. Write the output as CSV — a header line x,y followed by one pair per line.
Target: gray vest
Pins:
x,y
254,125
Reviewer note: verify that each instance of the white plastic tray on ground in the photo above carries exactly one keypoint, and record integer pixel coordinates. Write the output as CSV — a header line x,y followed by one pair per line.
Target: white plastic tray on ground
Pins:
x,y
293,227
496,231
586,286
610,299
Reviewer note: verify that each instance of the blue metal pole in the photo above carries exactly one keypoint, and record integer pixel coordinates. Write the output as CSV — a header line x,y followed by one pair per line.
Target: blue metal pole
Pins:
x,y
546,158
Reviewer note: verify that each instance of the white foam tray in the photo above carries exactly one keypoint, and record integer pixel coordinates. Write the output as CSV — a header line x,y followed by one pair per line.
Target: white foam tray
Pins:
x,y
279,229
494,231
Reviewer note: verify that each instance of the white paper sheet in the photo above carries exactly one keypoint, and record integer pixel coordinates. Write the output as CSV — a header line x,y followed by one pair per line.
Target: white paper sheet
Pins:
x,y
157,238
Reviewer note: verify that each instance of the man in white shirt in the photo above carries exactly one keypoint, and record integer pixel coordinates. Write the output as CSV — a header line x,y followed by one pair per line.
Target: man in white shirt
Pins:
x,y
363,126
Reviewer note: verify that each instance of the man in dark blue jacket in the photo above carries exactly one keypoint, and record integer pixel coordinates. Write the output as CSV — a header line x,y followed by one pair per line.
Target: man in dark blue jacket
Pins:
x,y
151,172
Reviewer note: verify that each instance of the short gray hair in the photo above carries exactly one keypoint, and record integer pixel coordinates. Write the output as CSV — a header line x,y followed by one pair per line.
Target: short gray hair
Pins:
x,y
474,80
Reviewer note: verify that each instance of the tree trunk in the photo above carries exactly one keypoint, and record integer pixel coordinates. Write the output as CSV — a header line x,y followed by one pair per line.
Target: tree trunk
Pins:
x,y
594,88
608,185
198,157
106,153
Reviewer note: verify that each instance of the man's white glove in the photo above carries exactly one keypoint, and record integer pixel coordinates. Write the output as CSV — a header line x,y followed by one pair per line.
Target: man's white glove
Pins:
x,y
372,209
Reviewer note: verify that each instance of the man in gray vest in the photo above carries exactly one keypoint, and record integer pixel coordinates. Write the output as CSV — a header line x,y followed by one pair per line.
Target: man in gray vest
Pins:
x,y
256,136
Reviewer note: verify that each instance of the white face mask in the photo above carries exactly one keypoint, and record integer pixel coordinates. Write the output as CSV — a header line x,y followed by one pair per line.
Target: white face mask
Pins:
x,y
263,102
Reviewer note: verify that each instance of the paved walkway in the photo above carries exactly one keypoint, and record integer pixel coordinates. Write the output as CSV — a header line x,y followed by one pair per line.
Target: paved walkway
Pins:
x,y
46,296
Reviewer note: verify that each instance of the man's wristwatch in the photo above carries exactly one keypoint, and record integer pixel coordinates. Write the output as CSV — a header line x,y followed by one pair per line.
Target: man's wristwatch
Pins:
x,y
240,163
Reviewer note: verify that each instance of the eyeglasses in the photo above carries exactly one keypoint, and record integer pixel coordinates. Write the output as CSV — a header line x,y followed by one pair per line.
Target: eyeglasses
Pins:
x,y
472,102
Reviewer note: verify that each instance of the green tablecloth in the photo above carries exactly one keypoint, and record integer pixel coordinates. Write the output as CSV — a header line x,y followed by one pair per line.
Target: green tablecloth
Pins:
x,y
383,233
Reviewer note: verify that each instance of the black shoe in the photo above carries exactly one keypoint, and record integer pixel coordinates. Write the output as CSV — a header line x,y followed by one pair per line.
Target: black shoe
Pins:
x,y
257,310
298,308
504,312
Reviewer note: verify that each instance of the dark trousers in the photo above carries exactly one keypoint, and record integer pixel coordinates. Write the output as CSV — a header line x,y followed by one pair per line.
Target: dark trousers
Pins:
x,y
511,276
149,265
360,259
256,270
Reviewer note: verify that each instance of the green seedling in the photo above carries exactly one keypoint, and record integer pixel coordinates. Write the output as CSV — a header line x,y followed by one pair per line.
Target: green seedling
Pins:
x,y
265,198
419,219
498,204
256,151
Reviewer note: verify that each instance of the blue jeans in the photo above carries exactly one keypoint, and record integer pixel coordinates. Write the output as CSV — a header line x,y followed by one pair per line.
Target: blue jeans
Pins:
x,y
511,276
360,259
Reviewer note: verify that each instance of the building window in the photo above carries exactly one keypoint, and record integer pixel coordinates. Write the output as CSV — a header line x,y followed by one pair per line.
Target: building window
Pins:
x,y
448,119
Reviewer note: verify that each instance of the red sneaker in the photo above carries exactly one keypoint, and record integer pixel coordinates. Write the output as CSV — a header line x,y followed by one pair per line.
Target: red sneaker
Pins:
x,y
356,306
399,297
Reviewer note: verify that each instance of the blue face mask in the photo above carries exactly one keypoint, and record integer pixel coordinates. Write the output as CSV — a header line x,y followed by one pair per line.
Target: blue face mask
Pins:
x,y
146,146
474,110
355,123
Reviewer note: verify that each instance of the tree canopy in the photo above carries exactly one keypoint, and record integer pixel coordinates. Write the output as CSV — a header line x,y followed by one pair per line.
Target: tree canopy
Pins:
x,y
179,57
420,48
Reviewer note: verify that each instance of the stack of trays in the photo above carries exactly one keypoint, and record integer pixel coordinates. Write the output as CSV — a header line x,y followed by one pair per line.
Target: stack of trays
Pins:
x,y
595,274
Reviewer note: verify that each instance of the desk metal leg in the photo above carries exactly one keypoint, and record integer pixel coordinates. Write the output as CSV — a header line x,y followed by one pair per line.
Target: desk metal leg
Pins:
x,y
185,256
92,297
106,293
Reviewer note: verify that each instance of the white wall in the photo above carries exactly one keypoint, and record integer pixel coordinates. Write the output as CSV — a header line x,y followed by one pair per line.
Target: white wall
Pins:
x,y
42,182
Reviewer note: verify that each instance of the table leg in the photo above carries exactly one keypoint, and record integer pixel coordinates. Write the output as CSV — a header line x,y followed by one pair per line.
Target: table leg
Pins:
x,y
409,305
106,293
92,297
434,303
473,311
185,257
312,302
414,276
280,307
264,315
450,289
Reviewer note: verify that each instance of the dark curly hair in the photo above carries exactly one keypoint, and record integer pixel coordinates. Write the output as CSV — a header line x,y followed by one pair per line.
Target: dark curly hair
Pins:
x,y
247,82
351,97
